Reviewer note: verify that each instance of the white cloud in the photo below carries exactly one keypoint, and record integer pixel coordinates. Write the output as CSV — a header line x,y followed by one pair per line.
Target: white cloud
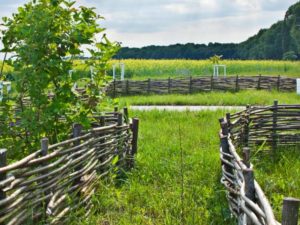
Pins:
x,y
145,22
177,8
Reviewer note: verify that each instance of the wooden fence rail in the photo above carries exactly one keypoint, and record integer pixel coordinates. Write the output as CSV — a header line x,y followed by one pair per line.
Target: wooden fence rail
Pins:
x,y
59,178
276,125
190,85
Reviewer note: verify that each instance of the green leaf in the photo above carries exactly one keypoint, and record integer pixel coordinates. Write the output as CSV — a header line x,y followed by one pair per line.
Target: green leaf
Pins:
x,y
115,160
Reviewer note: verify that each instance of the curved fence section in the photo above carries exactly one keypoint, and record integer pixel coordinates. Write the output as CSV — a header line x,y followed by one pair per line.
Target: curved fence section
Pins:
x,y
272,126
57,179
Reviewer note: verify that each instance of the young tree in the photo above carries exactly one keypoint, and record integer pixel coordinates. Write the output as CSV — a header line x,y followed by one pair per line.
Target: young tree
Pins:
x,y
44,36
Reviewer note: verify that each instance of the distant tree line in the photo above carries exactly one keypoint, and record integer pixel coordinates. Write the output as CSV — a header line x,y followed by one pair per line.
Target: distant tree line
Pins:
x,y
280,41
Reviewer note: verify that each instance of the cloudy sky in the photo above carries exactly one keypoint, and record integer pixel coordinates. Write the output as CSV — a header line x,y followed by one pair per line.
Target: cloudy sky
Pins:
x,y
161,22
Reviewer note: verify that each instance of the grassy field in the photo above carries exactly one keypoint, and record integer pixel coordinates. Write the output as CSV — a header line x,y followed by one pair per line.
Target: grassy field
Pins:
x,y
177,175
213,98
279,178
169,186
141,69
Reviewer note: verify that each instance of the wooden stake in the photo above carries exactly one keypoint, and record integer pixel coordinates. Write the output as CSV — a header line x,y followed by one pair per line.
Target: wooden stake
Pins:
x,y
290,211
149,86
134,142
246,156
3,163
125,111
274,127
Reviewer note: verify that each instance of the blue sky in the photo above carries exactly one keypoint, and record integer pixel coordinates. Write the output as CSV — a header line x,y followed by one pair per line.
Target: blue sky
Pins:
x,y
161,22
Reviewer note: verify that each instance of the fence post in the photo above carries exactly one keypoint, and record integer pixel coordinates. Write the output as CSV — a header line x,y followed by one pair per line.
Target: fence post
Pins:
x,y
44,152
246,156
44,146
259,82
225,145
212,83
149,86
125,111
120,119
134,141
248,175
237,88
77,133
127,87
120,140
3,163
274,127
116,109
290,211
228,121
191,85
102,141
102,121
114,88
249,183
278,83
169,85
246,128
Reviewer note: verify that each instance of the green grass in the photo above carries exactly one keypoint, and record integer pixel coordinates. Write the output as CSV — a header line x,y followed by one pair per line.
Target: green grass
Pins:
x,y
153,193
142,69
213,98
279,178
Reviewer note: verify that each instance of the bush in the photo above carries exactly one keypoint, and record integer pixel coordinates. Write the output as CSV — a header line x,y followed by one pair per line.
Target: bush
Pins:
x,y
45,37
290,55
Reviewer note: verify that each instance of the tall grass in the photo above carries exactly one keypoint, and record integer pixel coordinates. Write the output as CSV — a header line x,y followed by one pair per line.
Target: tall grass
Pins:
x,y
280,177
142,69
214,98
177,175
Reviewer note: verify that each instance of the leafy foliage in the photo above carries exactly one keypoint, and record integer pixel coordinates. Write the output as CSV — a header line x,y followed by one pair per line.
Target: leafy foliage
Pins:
x,y
45,36
215,59
290,55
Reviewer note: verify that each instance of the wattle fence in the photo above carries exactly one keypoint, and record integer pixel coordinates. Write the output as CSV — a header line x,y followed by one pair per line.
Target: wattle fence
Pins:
x,y
190,85
47,185
272,126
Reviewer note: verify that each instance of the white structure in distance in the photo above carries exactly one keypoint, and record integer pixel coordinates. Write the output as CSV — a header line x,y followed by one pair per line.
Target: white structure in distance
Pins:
x,y
298,86
92,70
3,85
216,70
122,67
75,84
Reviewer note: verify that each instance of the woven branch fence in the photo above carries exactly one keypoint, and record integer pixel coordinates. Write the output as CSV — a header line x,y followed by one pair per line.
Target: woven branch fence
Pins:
x,y
272,126
198,84
57,179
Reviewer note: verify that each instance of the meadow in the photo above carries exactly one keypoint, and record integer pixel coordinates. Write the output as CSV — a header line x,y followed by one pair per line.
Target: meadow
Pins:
x,y
144,69
177,175
242,98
